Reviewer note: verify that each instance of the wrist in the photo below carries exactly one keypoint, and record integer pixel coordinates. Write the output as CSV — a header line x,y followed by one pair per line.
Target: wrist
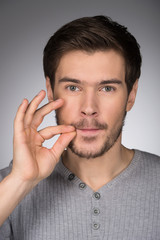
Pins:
x,y
23,186
12,191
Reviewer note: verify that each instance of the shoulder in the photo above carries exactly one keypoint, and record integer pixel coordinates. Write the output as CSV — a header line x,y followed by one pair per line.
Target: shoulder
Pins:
x,y
148,157
149,163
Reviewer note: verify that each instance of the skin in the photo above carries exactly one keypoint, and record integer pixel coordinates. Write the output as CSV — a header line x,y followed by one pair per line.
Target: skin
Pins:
x,y
87,102
89,99
31,161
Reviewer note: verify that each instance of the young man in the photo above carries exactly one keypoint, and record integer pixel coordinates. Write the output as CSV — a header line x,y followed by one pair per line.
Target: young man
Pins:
x,y
96,188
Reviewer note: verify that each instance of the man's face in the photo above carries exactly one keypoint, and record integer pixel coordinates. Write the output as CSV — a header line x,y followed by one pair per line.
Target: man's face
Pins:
x,y
95,94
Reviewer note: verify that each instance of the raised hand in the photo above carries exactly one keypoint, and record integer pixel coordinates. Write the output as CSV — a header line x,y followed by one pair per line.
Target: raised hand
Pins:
x,y
31,161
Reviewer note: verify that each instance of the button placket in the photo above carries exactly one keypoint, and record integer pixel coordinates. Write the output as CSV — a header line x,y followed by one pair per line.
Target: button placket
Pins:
x,y
97,195
96,226
71,176
96,213
82,186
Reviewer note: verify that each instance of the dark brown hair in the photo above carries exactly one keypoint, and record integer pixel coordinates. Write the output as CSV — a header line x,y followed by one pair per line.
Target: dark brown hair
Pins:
x,y
90,34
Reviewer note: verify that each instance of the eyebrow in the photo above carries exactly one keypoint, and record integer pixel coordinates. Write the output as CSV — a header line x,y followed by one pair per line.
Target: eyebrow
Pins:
x,y
110,81
66,79
103,82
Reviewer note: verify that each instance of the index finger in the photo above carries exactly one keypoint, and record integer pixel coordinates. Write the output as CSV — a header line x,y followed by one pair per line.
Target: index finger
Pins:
x,y
33,106
44,110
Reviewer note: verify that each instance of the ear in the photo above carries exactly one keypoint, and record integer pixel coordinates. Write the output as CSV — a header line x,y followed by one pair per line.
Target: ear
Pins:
x,y
132,96
49,90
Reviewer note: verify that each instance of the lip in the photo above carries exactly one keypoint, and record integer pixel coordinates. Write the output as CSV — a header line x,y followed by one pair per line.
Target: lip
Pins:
x,y
89,131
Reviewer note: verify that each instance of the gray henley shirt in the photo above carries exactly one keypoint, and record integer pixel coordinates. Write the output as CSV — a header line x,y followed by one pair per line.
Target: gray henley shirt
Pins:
x,y
62,207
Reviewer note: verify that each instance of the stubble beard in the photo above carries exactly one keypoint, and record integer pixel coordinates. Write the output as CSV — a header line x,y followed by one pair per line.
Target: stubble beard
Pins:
x,y
108,143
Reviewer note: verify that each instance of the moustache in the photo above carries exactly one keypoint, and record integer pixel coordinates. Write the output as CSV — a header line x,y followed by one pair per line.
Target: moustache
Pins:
x,y
94,124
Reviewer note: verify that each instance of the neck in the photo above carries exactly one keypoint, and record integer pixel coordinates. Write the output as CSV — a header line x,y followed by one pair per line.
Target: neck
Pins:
x,y
96,172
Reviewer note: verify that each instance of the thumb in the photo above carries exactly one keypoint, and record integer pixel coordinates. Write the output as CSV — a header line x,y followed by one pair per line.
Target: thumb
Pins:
x,y
61,144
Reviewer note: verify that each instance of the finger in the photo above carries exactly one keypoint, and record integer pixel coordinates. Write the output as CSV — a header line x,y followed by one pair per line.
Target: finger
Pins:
x,y
61,144
19,118
50,132
32,107
43,111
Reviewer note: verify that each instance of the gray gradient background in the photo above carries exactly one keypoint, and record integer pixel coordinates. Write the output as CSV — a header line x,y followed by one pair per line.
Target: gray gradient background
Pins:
x,y
25,27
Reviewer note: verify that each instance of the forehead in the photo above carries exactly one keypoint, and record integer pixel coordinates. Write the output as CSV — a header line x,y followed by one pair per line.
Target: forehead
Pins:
x,y
91,67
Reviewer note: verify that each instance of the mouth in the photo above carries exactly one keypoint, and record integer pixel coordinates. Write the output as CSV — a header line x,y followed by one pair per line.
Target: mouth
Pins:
x,y
89,131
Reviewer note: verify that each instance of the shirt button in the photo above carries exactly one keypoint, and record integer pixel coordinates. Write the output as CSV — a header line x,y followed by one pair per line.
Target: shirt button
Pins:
x,y
82,186
96,226
97,195
96,211
71,177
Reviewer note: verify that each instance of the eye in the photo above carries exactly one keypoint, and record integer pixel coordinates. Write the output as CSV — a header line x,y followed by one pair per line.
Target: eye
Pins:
x,y
108,89
72,88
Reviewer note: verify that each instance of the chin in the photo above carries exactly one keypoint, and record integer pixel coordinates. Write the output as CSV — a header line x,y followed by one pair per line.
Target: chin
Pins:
x,y
89,150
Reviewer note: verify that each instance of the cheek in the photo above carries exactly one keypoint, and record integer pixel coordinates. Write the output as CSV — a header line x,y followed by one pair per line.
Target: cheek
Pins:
x,y
113,111
68,112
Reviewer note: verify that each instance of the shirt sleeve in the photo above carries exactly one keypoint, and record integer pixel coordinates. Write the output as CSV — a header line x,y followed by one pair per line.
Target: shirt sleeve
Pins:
x,y
6,231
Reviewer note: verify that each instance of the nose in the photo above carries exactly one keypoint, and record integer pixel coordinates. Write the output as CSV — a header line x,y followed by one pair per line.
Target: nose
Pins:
x,y
89,106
